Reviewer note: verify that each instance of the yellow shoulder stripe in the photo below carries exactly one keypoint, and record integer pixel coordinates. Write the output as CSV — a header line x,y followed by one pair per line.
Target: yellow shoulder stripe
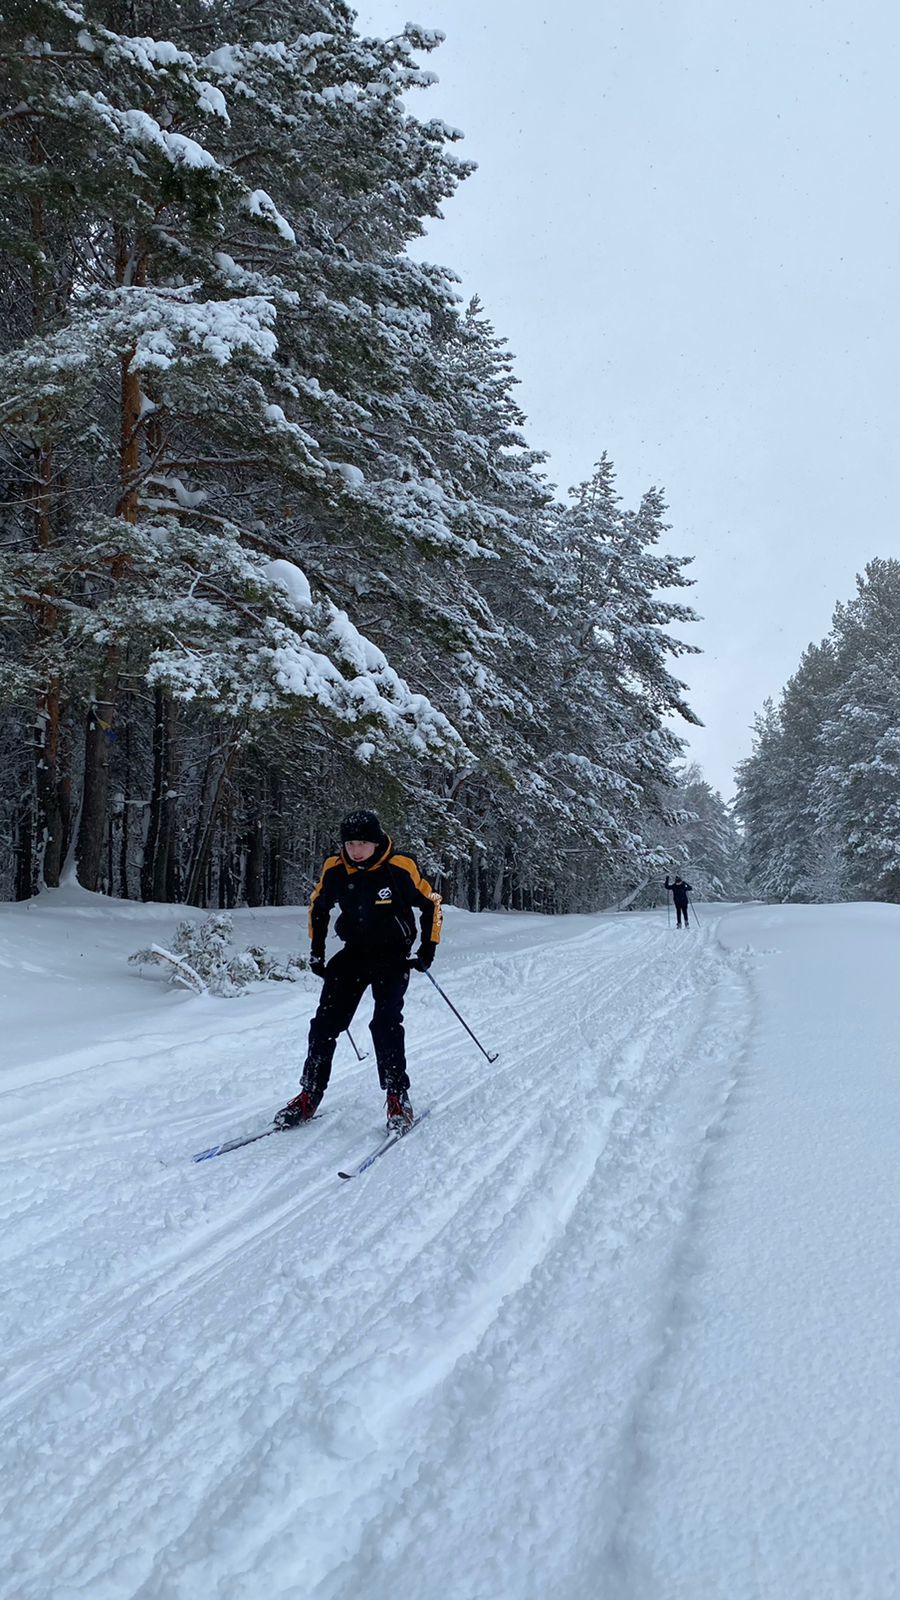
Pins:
x,y
408,865
424,887
332,861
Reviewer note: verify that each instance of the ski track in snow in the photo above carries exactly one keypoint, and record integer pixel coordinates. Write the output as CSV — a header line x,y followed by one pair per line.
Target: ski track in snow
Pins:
x,y
242,1378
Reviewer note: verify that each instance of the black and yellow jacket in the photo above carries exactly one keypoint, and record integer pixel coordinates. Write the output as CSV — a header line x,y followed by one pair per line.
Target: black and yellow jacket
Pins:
x,y
378,902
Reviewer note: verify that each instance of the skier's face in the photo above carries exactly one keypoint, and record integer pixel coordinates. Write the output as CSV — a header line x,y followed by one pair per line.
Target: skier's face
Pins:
x,y
359,850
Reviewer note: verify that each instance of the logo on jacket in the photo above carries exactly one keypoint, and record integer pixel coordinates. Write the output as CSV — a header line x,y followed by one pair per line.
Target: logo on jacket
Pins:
x,y
384,894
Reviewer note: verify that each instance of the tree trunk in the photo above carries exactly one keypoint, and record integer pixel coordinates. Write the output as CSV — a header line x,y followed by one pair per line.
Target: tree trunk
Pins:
x,y
101,719
125,840
167,885
110,875
47,832
255,856
199,882
157,790
474,883
50,788
25,852
92,831
273,889
230,860
159,868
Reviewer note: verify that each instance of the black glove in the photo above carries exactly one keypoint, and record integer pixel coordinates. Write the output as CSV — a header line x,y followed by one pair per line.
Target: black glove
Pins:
x,y
422,960
317,966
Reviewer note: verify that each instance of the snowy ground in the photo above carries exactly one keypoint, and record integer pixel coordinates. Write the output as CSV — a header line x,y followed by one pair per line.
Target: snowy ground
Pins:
x,y
618,1322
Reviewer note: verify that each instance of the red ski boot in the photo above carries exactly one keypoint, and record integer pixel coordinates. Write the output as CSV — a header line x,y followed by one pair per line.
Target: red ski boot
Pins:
x,y
399,1112
301,1109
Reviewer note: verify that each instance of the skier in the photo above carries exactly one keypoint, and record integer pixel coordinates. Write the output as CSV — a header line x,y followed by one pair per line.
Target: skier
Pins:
x,y
378,891
679,891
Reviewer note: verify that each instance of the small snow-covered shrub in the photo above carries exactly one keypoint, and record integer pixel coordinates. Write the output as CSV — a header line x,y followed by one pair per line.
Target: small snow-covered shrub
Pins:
x,y
201,959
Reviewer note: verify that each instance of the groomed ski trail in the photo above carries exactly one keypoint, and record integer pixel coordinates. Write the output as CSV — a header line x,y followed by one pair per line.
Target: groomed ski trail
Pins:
x,y
245,1377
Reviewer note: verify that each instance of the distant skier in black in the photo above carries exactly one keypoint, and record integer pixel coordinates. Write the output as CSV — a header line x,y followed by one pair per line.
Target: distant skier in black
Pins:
x,y
679,890
379,891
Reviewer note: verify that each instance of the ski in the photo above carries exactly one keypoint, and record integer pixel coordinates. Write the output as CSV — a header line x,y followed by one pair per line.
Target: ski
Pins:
x,y
250,1138
385,1145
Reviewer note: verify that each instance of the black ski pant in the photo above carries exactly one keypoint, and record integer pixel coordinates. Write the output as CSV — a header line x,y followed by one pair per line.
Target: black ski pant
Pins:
x,y
681,911
347,977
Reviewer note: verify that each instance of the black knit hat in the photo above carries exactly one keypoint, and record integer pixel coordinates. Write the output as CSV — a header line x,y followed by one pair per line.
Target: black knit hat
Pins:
x,y
363,825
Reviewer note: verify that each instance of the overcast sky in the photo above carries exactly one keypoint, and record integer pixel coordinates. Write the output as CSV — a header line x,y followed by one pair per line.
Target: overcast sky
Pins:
x,y
686,223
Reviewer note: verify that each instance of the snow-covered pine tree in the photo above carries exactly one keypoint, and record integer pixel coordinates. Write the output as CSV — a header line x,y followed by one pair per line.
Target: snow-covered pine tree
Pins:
x,y
423,499
393,400
603,690
858,783
820,795
762,788
266,477
94,177
480,449
163,380
799,840
465,653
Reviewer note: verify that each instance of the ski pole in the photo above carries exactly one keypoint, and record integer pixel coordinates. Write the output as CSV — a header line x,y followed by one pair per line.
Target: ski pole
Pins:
x,y
694,909
668,912
461,1019
360,1054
